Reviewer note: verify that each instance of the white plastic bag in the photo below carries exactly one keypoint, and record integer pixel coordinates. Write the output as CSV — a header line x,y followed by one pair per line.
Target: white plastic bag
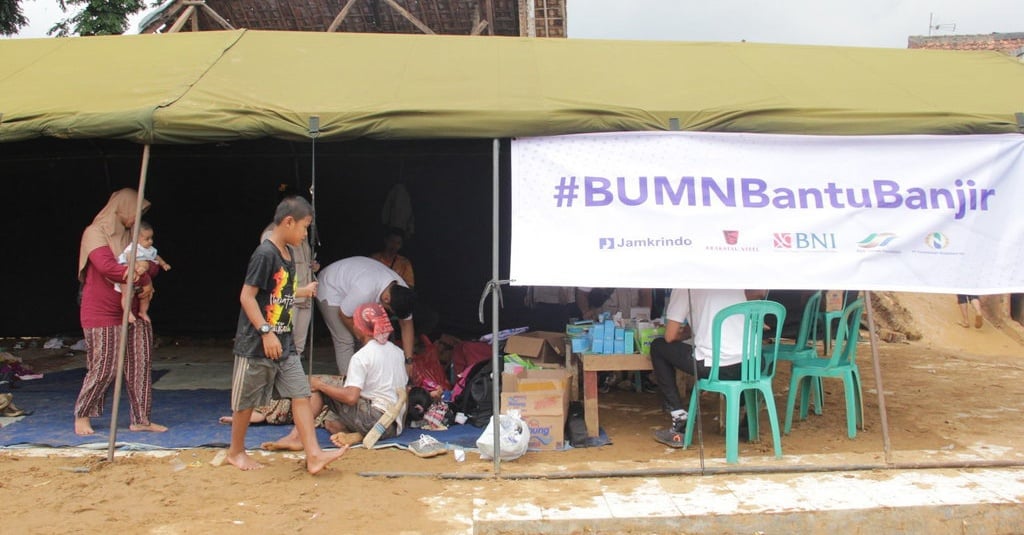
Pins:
x,y
513,433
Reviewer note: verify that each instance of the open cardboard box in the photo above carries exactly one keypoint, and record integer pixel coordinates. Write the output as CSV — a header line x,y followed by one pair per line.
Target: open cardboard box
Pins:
x,y
542,399
542,346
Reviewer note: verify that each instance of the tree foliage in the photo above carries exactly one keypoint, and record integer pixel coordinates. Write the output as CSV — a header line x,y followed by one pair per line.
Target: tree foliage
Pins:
x,y
11,17
99,17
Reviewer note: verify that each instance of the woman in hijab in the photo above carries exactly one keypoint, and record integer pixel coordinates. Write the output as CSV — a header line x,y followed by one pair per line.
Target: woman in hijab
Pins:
x,y
101,312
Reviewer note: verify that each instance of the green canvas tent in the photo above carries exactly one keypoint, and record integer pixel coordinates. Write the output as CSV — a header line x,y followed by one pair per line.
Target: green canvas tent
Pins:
x,y
210,87
213,86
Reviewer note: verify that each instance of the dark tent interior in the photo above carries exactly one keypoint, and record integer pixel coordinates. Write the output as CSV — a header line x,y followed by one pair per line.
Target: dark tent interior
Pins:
x,y
210,203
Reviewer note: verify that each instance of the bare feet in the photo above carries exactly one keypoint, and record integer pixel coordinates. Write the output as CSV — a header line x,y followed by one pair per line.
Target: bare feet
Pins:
x,y
83,427
150,427
224,419
288,443
962,324
320,461
242,461
344,440
978,321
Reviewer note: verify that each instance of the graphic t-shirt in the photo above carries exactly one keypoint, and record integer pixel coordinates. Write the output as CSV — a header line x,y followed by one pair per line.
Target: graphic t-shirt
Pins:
x,y
275,278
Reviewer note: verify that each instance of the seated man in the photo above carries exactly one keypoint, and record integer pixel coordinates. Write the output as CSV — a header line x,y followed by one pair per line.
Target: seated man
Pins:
x,y
696,308
376,371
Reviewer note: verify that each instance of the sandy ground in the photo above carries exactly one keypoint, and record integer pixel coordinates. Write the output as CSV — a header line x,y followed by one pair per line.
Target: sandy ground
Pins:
x,y
953,394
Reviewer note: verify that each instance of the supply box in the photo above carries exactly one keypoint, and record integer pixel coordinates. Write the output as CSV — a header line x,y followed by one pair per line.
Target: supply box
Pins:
x,y
543,346
542,399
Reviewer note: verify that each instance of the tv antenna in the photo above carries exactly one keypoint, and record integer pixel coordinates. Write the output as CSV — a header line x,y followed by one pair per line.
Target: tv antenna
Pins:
x,y
932,25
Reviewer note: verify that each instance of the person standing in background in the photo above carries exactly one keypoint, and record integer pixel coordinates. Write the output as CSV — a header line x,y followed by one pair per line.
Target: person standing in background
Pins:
x,y
975,301
394,238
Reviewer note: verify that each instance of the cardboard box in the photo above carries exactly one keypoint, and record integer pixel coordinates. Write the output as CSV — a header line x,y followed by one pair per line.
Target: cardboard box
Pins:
x,y
542,346
546,432
542,399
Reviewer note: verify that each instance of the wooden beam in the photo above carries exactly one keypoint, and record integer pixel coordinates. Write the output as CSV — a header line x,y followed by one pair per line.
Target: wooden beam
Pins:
x,y
490,17
479,27
341,16
182,19
165,17
409,17
216,16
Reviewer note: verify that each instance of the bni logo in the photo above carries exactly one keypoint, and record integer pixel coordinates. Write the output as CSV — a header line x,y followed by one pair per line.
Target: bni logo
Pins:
x,y
606,243
783,240
876,239
936,240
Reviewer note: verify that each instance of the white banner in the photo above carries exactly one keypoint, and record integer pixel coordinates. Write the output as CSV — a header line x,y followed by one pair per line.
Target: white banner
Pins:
x,y
936,214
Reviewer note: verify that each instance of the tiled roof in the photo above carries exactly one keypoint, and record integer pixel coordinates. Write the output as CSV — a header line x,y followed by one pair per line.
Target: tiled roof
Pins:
x,y
458,17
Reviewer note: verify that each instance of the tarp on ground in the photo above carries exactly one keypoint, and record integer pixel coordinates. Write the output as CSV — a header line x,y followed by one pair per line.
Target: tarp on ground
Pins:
x,y
211,86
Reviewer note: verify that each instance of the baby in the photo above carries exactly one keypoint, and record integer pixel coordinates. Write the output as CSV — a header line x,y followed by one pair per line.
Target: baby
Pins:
x,y
145,251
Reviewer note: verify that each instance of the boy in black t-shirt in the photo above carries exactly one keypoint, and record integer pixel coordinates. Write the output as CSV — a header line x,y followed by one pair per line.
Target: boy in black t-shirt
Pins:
x,y
265,357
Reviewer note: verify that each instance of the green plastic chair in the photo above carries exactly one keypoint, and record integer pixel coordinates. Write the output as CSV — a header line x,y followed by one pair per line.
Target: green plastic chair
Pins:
x,y
806,343
757,370
828,317
842,364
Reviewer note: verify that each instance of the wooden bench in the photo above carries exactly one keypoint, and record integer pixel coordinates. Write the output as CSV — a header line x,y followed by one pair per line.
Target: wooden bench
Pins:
x,y
591,364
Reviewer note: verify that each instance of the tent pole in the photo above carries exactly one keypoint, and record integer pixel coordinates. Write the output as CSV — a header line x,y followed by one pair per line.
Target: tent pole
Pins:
x,y
122,342
314,132
882,415
495,293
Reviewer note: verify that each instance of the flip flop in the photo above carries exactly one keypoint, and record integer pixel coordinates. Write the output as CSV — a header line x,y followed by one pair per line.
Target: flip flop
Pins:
x,y
427,446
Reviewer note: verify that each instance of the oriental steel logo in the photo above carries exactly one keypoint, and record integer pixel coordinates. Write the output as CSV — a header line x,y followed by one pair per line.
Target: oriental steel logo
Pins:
x,y
732,243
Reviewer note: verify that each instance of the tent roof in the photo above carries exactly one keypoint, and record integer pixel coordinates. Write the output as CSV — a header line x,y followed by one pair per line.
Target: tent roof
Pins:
x,y
212,86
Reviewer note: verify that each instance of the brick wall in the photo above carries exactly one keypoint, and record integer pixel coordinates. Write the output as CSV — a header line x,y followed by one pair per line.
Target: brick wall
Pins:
x,y
1007,43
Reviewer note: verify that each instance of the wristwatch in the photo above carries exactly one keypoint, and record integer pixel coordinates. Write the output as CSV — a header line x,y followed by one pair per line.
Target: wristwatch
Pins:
x,y
264,329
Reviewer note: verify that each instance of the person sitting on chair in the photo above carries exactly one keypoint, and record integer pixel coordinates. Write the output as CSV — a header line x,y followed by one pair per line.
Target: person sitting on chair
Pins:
x,y
691,313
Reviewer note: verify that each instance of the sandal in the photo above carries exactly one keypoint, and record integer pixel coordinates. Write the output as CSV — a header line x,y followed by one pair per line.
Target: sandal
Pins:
x,y
427,446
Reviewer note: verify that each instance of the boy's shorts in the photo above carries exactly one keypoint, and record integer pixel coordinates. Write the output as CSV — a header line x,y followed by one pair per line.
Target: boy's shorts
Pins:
x,y
256,381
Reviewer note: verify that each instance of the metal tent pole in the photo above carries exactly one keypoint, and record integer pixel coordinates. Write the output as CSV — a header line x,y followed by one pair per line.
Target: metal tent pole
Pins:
x,y
122,343
495,293
314,239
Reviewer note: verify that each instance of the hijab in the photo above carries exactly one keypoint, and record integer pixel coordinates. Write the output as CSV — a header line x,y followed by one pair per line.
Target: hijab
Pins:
x,y
109,227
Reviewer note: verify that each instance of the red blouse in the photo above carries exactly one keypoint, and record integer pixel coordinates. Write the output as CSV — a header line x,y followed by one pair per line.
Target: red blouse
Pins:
x,y
101,304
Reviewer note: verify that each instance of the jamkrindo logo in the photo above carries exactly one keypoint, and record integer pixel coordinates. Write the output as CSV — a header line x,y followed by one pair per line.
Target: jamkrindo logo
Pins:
x,y
936,240
876,240
643,242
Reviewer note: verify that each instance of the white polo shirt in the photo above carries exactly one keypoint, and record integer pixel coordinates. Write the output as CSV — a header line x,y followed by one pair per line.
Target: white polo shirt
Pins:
x,y
352,281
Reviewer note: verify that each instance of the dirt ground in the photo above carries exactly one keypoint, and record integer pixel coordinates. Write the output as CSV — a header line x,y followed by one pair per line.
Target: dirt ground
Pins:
x,y
952,394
